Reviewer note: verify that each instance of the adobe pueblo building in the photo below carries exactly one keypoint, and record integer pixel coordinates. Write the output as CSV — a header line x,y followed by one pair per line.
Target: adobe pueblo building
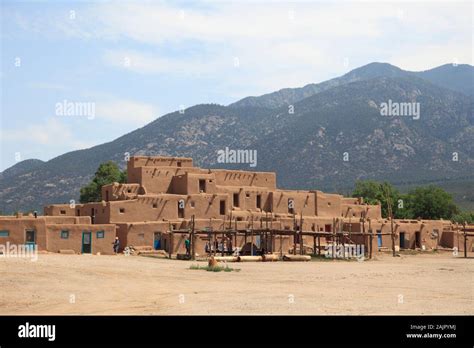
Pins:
x,y
167,200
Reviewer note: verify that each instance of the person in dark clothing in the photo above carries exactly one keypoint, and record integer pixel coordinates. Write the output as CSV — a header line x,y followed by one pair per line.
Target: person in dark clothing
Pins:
x,y
116,245
187,244
229,247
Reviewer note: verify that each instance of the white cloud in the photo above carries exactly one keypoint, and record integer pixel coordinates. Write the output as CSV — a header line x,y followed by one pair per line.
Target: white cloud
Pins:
x,y
126,112
281,44
155,64
50,132
434,55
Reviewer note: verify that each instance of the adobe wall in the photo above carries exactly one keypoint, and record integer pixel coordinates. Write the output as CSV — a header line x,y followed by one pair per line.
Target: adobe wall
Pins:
x,y
158,179
62,209
328,204
159,161
244,178
361,210
303,201
455,239
74,241
17,228
116,191
189,183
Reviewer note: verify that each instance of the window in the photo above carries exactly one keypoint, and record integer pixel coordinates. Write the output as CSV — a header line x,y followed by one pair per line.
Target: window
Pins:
x,y
129,190
259,201
236,199
122,210
202,185
62,212
247,194
64,234
100,234
155,205
78,212
193,204
222,207
4,233
179,164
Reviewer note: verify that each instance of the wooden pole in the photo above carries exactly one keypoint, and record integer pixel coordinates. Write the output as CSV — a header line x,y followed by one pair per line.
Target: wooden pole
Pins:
x,y
193,241
251,240
390,213
301,234
319,245
235,235
370,238
363,233
465,239
341,226
171,244
281,245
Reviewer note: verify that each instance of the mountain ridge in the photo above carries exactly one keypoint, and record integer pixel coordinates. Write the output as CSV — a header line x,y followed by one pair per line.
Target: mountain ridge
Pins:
x,y
371,70
304,148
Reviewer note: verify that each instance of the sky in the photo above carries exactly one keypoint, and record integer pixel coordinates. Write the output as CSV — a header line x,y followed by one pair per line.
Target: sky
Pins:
x,y
78,74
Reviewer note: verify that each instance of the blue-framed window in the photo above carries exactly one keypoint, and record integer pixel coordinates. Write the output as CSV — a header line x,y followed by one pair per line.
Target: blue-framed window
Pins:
x,y
4,233
100,234
64,234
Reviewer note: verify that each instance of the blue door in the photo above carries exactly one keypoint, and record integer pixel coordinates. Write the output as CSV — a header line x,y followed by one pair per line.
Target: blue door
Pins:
x,y
379,239
30,239
86,242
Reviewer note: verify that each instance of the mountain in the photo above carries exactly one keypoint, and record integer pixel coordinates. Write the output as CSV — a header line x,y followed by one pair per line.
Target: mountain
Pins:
x,y
334,137
22,167
459,78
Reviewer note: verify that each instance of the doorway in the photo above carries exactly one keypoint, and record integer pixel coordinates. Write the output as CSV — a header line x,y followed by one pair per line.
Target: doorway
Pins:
x,y
402,240
417,240
30,239
86,242
379,238
157,245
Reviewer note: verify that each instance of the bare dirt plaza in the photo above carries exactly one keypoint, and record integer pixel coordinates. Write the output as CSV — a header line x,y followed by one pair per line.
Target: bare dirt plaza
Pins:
x,y
425,283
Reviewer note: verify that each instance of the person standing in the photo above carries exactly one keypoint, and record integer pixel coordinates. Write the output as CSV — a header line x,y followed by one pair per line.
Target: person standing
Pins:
x,y
187,244
229,247
116,245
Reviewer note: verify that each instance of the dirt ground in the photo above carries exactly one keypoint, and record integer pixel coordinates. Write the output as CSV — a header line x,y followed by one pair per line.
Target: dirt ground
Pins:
x,y
89,284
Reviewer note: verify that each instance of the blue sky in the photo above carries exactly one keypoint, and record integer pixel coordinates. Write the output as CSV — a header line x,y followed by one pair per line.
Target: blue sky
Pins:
x,y
138,60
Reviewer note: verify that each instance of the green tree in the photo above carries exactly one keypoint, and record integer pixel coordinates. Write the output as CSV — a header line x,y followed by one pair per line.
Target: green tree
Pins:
x,y
431,202
375,192
107,173
464,216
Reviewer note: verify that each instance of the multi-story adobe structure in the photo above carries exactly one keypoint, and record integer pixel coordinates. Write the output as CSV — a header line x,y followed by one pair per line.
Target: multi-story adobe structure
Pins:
x,y
166,196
